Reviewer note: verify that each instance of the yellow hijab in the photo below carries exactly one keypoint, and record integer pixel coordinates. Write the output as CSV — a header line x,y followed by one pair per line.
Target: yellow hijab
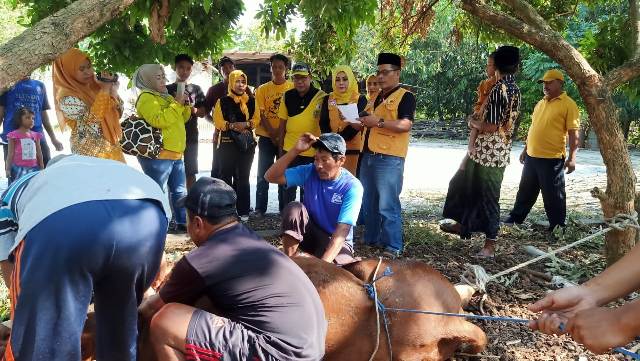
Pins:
x,y
352,92
65,84
238,99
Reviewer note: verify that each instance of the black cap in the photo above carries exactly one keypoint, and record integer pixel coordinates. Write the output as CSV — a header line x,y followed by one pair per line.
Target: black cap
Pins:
x,y
225,60
300,69
331,142
183,57
210,197
506,56
389,58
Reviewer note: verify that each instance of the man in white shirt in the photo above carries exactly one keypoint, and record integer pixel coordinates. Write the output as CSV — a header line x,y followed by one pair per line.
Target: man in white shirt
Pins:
x,y
83,226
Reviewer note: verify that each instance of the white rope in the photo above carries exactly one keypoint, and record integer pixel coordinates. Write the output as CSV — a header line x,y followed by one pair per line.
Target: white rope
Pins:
x,y
375,305
476,276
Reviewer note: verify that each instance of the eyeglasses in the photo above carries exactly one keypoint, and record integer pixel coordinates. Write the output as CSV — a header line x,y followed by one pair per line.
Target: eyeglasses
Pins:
x,y
385,72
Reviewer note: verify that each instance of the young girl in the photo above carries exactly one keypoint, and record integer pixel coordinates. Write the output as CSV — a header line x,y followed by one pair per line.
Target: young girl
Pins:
x,y
25,154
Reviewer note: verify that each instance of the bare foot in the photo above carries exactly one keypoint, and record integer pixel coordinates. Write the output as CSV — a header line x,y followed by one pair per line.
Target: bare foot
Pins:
x,y
488,250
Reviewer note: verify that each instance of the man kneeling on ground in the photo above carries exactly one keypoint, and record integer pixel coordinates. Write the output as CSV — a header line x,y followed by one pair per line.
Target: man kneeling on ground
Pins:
x,y
323,224
266,307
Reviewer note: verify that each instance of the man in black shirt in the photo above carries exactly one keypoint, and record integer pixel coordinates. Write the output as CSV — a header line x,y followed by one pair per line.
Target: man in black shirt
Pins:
x,y
195,98
266,307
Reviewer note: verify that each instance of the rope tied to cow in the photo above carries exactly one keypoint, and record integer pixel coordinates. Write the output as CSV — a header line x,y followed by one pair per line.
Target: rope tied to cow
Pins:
x,y
478,278
372,292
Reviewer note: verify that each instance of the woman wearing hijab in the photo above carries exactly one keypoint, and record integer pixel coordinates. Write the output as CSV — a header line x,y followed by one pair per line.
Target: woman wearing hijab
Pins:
x,y
372,87
91,108
235,117
345,91
168,114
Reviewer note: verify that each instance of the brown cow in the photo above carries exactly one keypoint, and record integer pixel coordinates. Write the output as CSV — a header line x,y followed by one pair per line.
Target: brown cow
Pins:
x,y
351,315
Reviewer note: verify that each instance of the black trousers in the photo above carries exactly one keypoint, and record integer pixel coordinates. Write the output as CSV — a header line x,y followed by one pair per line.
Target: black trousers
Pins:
x,y
288,195
546,176
234,167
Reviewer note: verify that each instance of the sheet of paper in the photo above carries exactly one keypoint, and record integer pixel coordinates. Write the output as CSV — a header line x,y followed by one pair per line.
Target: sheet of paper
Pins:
x,y
349,112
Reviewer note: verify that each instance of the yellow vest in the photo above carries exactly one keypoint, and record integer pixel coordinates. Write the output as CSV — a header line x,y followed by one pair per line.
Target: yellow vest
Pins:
x,y
385,141
338,125
307,121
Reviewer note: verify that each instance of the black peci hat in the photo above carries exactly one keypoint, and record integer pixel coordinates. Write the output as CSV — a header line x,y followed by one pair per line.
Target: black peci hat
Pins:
x,y
389,58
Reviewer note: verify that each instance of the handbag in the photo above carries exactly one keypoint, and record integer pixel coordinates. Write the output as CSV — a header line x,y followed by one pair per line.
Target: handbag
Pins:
x,y
243,140
140,139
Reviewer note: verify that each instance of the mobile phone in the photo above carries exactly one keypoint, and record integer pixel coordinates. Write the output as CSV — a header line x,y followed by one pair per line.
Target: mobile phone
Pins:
x,y
113,79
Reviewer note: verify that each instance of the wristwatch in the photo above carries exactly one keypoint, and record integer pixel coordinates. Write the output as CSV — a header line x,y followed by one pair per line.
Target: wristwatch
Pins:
x,y
381,123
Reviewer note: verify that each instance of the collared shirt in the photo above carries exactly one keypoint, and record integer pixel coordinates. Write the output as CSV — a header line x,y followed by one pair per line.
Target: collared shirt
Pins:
x,y
72,180
550,121
503,108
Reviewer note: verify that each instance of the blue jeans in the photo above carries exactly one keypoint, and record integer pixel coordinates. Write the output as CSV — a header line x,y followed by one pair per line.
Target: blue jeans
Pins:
x,y
267,154
168,173
382,176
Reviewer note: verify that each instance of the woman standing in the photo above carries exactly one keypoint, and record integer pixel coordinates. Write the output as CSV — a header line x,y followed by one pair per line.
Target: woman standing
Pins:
x,y
91,108
235,117
372,87
168,114
345,91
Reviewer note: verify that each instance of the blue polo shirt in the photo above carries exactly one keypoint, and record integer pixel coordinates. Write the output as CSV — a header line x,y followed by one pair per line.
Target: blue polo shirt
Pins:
x,y
28,93
328,202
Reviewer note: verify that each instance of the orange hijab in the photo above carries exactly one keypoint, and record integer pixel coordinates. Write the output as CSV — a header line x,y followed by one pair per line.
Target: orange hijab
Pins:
x,y
65,84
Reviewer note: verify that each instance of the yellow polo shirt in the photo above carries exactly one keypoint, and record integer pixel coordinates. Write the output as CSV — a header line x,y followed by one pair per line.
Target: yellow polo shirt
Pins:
x,y
550,121
268,97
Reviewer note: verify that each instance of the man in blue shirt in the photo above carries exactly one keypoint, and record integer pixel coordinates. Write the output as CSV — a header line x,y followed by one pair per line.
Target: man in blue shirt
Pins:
x,y
323,224
32,94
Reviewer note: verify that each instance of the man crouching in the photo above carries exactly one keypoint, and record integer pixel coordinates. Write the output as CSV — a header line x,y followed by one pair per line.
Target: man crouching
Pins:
x,y
266,307
322,225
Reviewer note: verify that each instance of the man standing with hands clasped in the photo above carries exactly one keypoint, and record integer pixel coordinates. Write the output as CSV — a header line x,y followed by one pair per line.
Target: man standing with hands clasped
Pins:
x,y
386,142
545,155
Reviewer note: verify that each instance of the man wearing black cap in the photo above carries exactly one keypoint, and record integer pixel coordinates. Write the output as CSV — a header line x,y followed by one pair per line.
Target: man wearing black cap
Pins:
x,y
386,144
300,113
195,97
474,192
266,307
322,225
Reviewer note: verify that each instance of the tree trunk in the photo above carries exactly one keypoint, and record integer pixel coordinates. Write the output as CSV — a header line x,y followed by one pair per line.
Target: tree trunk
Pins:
x,y
54,35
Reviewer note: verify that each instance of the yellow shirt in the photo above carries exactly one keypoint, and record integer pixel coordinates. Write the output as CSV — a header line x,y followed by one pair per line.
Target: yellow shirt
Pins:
x,y
268,97
307,121
169,116
551,120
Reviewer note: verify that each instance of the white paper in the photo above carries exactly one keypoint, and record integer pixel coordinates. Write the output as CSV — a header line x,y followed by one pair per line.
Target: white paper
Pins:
x,y
349,112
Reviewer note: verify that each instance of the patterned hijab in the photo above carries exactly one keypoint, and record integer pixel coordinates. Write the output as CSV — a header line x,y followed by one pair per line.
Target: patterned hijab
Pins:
x,y
238,99
144,79
352,90
66,84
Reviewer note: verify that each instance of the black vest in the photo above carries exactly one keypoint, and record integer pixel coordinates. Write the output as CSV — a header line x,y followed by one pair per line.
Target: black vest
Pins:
x,y
231,111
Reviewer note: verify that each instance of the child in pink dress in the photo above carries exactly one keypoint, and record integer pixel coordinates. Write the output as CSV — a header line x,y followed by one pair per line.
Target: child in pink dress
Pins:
x,y
25,154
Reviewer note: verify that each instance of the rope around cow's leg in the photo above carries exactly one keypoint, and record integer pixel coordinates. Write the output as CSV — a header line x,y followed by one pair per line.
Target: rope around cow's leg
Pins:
x,y
375,304
478,278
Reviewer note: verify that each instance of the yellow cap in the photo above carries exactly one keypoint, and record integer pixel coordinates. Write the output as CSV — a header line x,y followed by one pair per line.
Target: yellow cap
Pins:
x,y
553,74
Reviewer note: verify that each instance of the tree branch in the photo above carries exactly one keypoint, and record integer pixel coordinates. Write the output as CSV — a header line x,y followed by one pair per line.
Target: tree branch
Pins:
x,y
54,35
622,74
541,36
528,14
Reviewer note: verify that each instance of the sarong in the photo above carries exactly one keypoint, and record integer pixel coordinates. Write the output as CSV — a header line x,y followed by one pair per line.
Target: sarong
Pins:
x,y
473,199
